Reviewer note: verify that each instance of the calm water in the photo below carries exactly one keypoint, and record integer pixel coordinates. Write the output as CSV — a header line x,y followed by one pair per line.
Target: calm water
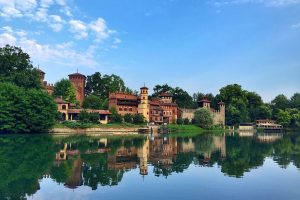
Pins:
x,y
210,166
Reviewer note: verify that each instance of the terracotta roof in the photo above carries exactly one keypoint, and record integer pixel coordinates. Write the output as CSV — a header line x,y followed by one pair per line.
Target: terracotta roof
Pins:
x,y
205,99
76,74
59,100
221,103
144,88
77,111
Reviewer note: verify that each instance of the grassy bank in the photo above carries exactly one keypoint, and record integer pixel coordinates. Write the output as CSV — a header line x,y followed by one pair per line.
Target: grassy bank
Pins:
x,y
75,125
191,130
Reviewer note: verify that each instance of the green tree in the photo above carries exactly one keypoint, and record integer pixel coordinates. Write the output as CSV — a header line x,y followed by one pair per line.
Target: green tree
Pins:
x,y
179,121
186,121
65,89
128,118
115,117
283,117
138,119
25,110
93,102
295,101
16,67
203,118
281,102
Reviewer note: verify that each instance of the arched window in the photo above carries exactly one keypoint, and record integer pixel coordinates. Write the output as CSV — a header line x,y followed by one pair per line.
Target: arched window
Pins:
x,y
64,107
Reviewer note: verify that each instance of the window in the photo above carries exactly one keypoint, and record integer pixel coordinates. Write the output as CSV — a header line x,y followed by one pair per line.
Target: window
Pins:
x,y
130,109
125,109
120,109
64,107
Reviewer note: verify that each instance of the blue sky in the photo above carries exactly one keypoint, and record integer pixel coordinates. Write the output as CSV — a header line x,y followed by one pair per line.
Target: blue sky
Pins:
x,y
199,45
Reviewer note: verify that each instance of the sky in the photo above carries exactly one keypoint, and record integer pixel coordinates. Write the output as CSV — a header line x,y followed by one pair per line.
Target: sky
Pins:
x,y
198,45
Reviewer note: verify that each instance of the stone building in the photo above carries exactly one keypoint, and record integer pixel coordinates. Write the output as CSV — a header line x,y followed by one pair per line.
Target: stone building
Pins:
x,y
48,87
70,113
218,115
157,110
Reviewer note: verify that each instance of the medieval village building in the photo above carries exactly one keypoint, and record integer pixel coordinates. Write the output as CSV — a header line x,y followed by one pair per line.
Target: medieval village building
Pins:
x,y
158,110
67,109
218,115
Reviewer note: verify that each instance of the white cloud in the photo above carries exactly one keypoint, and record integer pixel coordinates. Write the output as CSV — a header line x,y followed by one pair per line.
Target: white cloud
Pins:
x,y
25,5
100,28
270,3
79,28
296,26
7,38
62,54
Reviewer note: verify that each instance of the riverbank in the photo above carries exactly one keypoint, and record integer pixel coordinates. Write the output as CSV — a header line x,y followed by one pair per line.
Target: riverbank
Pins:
x,y
175,128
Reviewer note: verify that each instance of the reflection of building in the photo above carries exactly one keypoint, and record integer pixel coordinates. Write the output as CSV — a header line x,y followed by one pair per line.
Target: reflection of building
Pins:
x,y
269,137
157,110
218,115
70,113
143,154
163,151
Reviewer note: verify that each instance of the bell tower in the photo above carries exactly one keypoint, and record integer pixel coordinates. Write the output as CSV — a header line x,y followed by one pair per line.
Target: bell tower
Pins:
x,y
78,81
143,107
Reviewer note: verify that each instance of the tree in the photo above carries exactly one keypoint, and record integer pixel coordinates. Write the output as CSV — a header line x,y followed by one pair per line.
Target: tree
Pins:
x,y
25,110
280,102
88,117
186,121
283,118
179,121
65,89
203,118
93,102
115,117
101,86
16,67
295,101
128,118
138,119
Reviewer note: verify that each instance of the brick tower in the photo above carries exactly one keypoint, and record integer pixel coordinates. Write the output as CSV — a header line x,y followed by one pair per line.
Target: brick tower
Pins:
x,y
78,81
143,107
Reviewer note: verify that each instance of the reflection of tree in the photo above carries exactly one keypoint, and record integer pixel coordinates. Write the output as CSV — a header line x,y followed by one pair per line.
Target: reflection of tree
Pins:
x,y
24,160
287,150
243,154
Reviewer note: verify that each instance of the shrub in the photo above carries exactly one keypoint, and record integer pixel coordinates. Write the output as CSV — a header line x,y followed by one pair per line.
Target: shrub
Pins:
x,y
203,118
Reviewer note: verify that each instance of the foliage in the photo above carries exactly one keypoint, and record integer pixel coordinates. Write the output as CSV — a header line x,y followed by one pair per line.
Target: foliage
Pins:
x,y
204,118
128,118
179,121
138,119
115,117
101,86
295,101
25,110
186,121
93,102
65,89
88,117
16,67
77,124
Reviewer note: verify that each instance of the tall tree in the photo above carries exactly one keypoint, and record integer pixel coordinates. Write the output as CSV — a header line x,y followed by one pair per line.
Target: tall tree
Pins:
x,y
295,101
25,110
65,89
16,67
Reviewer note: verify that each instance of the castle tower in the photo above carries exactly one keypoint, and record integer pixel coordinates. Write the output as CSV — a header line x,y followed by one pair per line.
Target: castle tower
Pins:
x,y
166,97
78,81
205,103
144,107
42,76
222,111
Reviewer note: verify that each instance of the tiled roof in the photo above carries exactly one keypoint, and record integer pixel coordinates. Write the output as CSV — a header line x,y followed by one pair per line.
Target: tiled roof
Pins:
x,y
76,74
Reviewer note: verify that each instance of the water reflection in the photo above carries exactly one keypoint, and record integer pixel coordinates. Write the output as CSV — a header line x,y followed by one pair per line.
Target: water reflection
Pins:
x,y
96,162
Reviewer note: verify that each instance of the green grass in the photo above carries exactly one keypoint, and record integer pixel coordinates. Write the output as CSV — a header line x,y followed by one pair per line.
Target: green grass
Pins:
x,y
75,125
184,128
